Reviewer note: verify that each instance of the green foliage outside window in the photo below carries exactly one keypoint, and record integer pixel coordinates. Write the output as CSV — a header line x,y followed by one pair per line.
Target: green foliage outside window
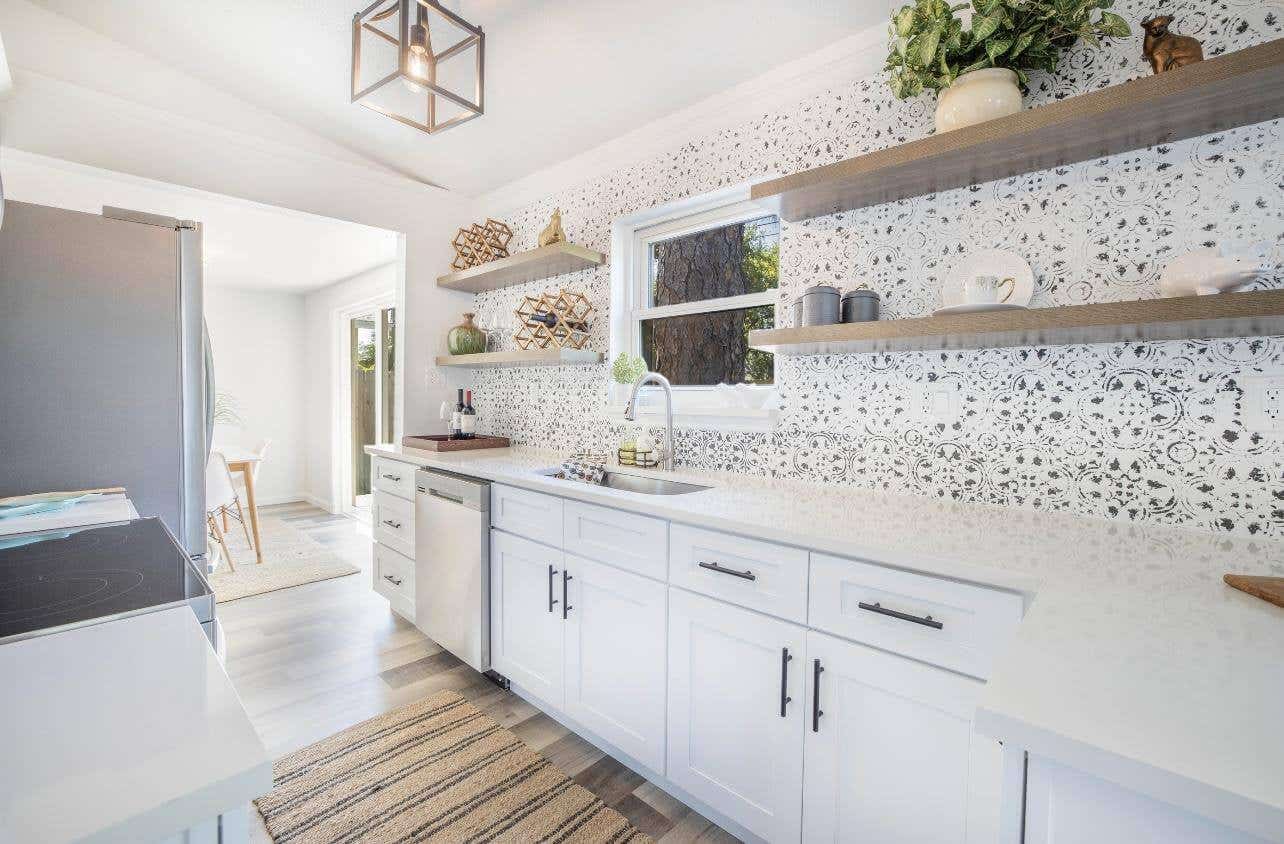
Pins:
x,y
762,266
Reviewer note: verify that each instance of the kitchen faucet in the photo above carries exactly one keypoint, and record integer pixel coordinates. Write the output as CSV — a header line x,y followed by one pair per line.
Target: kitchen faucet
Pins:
x,y
630,413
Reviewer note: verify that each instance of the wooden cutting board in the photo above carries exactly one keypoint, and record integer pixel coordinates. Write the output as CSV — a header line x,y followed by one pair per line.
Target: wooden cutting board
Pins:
x,y
441,442
1270,589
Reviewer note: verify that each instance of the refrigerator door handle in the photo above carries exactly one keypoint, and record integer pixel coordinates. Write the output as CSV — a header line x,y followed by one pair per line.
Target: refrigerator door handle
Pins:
x,y
210,389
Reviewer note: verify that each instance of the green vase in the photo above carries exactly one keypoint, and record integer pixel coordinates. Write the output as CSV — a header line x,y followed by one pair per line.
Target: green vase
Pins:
x,y
466,338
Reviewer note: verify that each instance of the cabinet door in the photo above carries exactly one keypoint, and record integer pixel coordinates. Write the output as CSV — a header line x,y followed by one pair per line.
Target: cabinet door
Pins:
x,y
615,634
892,756
729,744
1067,806
526,614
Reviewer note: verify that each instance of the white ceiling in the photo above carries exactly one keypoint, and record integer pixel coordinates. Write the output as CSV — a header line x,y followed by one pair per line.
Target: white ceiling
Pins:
x,y
247,245
561,77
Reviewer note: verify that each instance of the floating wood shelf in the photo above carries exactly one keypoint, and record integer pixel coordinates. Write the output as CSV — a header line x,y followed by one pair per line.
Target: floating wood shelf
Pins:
x,y
532,265
1250,314
538,357
1236,89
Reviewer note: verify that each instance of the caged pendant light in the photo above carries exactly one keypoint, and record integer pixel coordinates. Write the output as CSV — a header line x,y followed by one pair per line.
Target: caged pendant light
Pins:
x,y
419,63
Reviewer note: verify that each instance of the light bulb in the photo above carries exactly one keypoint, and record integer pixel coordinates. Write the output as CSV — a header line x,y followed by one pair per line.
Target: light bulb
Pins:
x,y
418,68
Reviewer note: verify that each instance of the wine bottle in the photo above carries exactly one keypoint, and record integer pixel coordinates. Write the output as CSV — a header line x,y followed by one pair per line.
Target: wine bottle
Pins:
x,y
456,418
468,421
550,320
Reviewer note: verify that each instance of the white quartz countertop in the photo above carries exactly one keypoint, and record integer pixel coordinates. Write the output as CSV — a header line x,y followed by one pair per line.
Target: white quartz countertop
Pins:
x,y
124,731
1134,662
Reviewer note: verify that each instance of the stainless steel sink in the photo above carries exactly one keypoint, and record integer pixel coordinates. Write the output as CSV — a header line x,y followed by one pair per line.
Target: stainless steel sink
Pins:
x,y
640,483
648,486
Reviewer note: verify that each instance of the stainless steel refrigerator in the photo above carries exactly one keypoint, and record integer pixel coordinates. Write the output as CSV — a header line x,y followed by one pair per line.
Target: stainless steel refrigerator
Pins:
x,y
104,371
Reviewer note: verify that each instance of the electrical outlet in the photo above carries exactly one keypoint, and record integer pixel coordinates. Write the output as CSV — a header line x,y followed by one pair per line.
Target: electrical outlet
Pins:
x,y
941,402
1263,407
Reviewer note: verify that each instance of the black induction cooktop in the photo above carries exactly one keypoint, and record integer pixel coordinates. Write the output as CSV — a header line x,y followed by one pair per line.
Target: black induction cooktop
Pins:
x,y
66,578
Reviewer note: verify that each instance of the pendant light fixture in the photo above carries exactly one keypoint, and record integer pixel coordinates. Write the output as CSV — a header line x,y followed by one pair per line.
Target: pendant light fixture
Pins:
x,y
419,63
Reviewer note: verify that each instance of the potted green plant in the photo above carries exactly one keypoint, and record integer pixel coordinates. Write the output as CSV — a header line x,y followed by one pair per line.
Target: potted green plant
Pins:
x,y
980,67
625,370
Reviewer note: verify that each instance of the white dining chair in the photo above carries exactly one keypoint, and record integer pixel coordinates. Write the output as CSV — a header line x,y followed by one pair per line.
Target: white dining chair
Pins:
x,y
219,496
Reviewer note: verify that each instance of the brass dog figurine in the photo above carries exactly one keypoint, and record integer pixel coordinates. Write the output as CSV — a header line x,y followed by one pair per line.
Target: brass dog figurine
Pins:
x,y
1167,50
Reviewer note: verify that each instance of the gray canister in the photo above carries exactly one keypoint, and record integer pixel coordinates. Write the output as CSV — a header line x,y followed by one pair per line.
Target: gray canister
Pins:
x,y
860,305
820,305
798,312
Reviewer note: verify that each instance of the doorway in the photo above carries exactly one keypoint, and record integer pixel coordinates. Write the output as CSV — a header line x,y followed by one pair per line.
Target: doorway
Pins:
x,y
370,351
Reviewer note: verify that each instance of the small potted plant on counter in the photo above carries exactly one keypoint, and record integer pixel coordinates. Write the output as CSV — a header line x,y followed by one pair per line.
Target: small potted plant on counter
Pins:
x,y
980,67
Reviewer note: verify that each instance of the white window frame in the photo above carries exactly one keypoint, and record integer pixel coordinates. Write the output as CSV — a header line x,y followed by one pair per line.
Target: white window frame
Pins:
x,y
631,239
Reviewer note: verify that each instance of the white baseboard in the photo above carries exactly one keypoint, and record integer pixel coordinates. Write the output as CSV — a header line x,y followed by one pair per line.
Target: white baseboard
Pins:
x,y
317,502
280,499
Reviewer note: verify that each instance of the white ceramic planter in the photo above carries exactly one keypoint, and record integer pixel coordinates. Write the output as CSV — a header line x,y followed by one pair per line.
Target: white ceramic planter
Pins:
x,y
977,97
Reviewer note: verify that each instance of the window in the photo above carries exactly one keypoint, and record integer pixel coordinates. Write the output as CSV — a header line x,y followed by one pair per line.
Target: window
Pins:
x,y
699,284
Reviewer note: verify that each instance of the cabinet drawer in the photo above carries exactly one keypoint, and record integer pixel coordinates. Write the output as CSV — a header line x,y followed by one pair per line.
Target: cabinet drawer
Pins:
x,y
393,476
968,625
394,578
533,515
394,522
627,540
760,575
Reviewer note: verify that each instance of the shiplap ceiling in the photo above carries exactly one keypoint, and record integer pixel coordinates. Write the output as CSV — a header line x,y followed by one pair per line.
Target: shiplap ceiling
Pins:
x,y
562,77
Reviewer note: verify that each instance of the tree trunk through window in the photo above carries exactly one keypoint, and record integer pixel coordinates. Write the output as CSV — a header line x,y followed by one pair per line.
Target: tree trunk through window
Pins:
x,y
703,348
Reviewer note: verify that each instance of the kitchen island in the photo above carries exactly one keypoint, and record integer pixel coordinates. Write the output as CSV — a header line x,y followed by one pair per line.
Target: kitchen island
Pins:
x,y
128,730
1133,672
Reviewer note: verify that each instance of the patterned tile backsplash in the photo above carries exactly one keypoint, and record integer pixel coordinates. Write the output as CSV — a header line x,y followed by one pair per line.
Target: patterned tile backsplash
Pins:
x,y
1138,431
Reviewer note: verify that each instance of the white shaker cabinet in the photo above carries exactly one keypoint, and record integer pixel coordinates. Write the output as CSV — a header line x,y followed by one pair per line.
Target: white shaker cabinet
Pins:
x,y
891,755
615,657
736,712
1066,806
526,581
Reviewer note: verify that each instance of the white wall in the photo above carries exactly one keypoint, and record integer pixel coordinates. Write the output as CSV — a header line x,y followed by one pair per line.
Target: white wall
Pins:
x,y
259,360
325,343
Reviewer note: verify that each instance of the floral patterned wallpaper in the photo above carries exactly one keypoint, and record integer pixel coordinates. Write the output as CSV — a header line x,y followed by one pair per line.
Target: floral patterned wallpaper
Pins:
x,y
1138,431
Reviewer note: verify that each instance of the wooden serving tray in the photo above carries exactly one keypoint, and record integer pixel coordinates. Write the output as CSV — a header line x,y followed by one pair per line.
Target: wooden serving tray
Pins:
x,y
442,442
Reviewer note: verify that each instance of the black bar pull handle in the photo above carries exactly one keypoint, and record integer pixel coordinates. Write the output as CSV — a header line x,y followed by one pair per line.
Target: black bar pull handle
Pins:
x,y
925,620
566,606
743,575
394,525
816,711
784,680
551,600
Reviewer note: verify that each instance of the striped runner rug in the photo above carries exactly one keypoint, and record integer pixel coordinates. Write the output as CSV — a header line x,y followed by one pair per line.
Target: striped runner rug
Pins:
x,y
436,770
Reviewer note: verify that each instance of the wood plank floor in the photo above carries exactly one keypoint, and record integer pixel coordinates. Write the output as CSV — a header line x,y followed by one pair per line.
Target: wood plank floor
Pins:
x,y
314,659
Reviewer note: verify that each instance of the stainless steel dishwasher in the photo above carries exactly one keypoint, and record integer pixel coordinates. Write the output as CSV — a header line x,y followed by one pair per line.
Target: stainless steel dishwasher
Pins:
x,y
452,564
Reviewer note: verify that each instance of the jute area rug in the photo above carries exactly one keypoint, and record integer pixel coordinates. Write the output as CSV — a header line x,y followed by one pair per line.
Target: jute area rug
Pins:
x,y
436,770
290,558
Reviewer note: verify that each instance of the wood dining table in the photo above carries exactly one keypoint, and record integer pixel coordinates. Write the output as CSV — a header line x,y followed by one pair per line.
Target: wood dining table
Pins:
x,y
245,461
